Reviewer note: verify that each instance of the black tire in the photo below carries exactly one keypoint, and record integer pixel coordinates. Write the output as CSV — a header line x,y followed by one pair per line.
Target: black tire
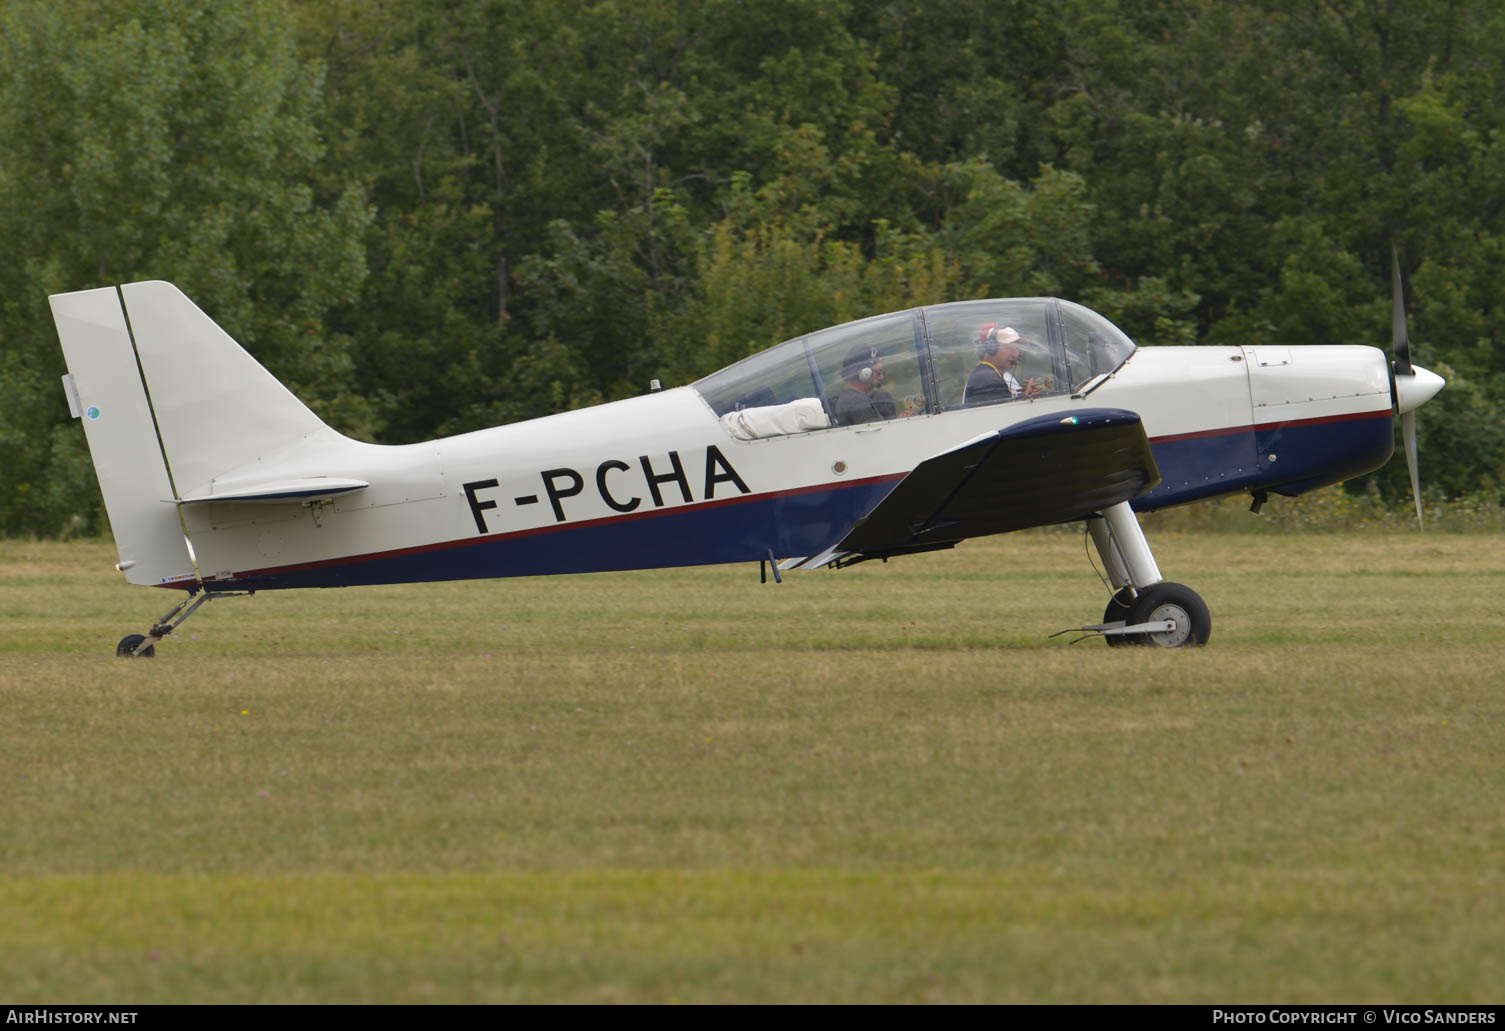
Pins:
x,y
1118,608
1177,602
126,649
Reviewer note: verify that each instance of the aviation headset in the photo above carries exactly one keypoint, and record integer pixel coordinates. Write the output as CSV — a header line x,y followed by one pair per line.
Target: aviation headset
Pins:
x,y
993,336
859,365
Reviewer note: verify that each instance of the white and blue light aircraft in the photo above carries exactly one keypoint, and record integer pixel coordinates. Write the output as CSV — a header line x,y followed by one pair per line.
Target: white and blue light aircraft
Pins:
x,y
893,435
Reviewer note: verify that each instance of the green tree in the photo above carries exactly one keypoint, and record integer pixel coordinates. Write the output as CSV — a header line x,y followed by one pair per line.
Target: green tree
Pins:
x,y
168,140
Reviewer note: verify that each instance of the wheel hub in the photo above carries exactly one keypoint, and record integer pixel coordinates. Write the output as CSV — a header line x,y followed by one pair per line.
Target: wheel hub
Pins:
x,y
1175,614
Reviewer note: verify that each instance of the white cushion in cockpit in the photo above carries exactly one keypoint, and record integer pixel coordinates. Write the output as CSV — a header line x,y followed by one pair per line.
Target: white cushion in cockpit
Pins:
x,y
776,420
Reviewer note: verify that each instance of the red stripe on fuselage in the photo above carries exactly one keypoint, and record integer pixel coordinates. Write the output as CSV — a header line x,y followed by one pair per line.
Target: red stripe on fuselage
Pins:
x,y
536,530
1225,431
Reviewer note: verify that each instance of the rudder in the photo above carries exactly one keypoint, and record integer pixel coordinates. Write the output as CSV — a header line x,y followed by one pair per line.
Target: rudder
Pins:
x,y
105,381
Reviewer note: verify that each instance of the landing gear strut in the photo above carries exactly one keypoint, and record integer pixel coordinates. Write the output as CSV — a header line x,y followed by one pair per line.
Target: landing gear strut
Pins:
x,y
1144,609
144,646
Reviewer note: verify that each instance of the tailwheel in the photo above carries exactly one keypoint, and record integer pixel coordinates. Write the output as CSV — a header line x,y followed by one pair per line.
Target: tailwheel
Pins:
x,y
1176,603
130,644
126,649
1118,612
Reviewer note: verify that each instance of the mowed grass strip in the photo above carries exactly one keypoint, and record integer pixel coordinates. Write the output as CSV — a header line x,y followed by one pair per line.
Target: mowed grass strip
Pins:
x,y
884,783
1020,935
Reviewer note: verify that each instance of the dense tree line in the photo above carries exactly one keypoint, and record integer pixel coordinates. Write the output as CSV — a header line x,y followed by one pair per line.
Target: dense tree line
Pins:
x,y
428,216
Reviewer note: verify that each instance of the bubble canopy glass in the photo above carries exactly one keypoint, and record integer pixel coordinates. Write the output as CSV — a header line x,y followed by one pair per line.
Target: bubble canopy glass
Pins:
x,y
911,363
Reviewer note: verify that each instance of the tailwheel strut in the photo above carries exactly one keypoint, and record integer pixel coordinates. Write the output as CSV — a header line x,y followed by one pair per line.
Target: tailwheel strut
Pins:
x,y
144,646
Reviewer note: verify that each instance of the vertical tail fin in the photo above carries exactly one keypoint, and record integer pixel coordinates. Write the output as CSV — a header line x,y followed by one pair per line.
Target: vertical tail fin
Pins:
x,y
217,409
169,402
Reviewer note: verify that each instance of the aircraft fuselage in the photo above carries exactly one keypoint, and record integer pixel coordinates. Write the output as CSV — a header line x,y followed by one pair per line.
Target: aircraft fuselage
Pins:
x,y
658,481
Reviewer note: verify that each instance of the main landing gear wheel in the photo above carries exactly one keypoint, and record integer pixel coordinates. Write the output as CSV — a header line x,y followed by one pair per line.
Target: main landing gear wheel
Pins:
x,y
1118,609
126,649
1175,602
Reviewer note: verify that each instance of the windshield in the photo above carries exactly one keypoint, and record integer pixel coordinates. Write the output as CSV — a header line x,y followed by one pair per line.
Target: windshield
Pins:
x,y
1094,345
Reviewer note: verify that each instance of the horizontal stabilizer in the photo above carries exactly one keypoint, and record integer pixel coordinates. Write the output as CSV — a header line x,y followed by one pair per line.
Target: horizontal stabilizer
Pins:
x,y
1049,469
311,488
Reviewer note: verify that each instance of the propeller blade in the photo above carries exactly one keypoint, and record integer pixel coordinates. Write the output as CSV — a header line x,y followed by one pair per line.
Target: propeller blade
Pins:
x,y
1400,343
1409,387
1408,434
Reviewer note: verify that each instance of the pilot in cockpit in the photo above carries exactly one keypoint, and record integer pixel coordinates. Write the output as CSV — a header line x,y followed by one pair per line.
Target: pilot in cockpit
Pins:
x,y
861,398
993,379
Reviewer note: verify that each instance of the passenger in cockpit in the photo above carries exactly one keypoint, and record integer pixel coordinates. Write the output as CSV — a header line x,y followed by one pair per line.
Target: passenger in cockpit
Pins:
x,y
861,399
993,379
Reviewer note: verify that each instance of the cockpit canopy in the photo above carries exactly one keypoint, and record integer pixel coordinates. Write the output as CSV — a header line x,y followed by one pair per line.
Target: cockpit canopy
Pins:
x,y
920,361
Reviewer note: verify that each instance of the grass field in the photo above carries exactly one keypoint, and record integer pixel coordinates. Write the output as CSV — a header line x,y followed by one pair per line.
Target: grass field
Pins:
x,y
879,785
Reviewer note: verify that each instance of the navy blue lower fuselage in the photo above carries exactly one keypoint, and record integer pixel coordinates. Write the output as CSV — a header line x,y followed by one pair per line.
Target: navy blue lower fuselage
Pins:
x,y
1285,458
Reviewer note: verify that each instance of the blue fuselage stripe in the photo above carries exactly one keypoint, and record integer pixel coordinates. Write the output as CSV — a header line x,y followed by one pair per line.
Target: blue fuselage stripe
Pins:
x,y
741,530
1289,458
